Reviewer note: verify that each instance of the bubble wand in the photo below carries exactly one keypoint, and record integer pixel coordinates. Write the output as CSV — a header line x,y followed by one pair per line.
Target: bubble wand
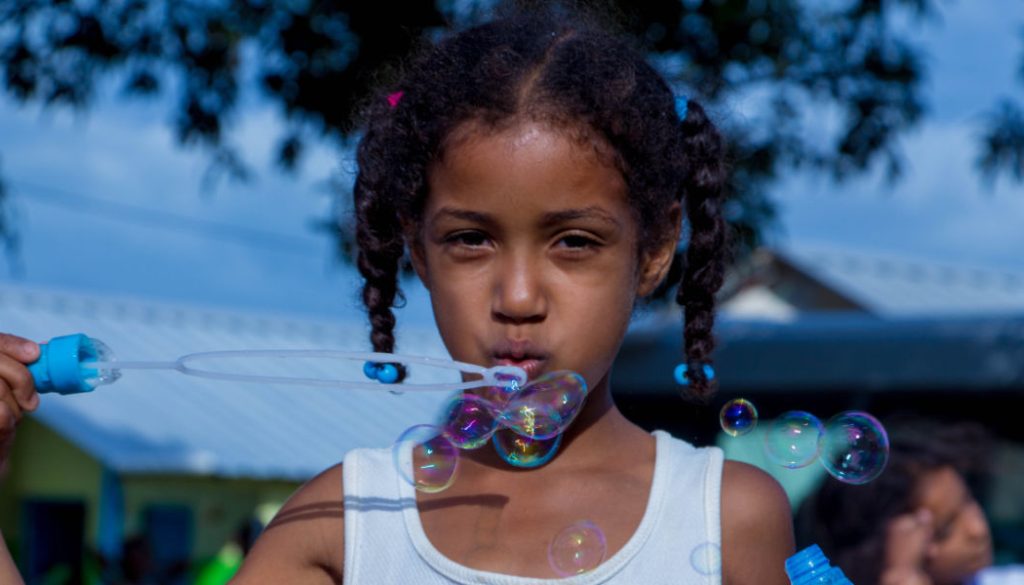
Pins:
x,y
74,364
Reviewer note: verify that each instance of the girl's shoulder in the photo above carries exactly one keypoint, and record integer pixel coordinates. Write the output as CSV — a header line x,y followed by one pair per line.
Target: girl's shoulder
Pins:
x,y
304,543
757,526
748,493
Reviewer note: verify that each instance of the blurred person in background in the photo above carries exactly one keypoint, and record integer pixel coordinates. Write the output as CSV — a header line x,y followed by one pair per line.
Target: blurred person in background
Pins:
x,y
919,522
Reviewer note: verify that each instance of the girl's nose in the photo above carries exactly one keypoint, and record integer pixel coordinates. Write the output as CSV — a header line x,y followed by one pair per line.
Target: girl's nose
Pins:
x,y
519,295
977,525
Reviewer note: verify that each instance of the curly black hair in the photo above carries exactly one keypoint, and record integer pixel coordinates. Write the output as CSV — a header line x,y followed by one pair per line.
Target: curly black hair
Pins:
x,y
568,73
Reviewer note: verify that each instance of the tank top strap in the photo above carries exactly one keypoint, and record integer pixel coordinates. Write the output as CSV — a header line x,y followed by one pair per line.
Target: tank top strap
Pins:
x,y
686,541
377,546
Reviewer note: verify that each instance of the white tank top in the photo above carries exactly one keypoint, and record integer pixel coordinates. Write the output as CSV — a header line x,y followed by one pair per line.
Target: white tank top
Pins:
x,y
676,542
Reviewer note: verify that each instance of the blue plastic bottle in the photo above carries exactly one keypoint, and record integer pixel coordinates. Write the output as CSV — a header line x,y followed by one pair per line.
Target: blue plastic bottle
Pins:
x,y
811,567
59,367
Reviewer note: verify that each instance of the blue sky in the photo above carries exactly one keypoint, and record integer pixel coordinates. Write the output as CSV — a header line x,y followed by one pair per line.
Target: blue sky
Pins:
x,y
124,152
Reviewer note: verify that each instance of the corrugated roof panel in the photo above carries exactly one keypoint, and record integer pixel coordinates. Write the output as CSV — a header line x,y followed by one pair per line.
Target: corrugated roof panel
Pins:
x,y
900,287
161,421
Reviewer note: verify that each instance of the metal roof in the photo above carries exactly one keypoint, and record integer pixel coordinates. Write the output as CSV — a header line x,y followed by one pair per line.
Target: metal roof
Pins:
x,y
897,286
164,422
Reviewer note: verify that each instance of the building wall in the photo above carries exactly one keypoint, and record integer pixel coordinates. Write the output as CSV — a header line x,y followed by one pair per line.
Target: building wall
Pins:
x,y
44,465
219,506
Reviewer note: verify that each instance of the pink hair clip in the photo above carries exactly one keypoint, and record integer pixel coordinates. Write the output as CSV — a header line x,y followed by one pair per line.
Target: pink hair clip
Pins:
x,y
394,98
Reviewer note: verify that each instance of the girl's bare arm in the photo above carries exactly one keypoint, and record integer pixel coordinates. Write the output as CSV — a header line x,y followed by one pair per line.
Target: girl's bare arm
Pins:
x,y
757,527
305,542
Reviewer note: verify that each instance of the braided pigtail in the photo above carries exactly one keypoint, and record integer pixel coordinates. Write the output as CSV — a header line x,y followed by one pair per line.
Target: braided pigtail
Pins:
x,y
381,247
705,176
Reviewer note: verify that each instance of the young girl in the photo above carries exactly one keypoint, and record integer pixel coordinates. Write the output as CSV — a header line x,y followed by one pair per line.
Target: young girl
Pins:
x,y
536,171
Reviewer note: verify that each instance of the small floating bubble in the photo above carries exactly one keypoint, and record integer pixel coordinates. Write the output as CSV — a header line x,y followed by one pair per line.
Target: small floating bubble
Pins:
x,y
793,439
855,447
738,417
577,549
706,558
434,458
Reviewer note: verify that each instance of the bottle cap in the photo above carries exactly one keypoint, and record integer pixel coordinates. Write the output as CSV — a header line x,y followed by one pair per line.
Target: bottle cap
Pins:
x,y
806,564
58,368
836,576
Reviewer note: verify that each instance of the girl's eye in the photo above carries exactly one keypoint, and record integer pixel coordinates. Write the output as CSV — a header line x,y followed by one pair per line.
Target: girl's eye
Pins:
x,y
470,239
578,242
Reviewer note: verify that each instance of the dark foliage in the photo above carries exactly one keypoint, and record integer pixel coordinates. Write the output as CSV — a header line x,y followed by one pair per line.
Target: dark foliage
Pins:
x,y
319,60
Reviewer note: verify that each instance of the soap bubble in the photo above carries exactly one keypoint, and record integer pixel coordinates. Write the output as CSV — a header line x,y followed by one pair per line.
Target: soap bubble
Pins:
x,y
546,406
793,439
577,549
469,421
855,447
738,417
521,451
498,396
706,558
430,456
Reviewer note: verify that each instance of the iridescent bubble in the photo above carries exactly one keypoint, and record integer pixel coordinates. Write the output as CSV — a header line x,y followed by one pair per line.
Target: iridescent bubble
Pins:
x,y
469,421
498,396
546,406
577,549
431,458
793,439
855,447
521,451
706,558
738,417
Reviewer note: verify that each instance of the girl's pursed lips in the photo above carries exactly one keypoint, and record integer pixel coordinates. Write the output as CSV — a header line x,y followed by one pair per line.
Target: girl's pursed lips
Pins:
x,y
522,349
531,366
521,353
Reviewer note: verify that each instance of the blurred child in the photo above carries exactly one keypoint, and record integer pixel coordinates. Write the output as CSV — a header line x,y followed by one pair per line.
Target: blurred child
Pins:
x,y
918,523
536,170
8,571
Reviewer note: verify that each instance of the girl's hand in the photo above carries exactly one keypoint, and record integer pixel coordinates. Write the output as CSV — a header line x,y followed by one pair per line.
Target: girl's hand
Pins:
x,y
17,391
906,543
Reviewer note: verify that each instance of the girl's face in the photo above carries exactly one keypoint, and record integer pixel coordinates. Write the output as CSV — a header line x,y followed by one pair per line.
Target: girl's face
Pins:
x,y
529,250
961,544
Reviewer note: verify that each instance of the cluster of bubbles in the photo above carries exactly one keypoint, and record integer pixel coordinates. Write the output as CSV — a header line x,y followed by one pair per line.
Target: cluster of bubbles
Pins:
x,y
524,424
852,446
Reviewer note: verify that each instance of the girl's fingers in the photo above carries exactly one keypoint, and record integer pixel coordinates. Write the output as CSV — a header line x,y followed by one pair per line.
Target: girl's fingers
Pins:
x,y
19,383
903,576
8,401
908,537
24,350
7,424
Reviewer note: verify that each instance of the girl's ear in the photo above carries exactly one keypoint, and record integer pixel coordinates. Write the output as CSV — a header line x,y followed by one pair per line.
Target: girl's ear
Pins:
x,y
410,231
656,261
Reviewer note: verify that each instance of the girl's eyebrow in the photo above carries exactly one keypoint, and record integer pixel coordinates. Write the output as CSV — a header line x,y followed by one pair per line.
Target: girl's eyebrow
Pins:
x,y
465,214
592,212
549,219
